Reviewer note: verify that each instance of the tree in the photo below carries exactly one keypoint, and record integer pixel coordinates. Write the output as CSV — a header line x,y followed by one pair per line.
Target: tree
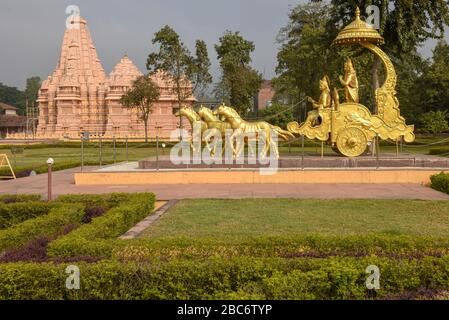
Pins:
x,y
304,55
174,62
141,96
278,115
239,82
434,83
435,122
33,85
12,96
405,25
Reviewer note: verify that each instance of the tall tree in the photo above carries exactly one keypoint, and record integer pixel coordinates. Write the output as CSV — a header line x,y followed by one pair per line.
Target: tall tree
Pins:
x,y
143,93
405,24
174,62
434,83
239,81
33,85
304,54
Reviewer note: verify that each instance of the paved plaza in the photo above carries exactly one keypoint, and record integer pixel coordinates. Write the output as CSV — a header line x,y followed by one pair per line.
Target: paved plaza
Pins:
x,y
63,183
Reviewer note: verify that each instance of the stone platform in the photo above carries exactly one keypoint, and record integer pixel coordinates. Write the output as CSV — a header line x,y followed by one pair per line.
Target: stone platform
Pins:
x,y
290,162
291,170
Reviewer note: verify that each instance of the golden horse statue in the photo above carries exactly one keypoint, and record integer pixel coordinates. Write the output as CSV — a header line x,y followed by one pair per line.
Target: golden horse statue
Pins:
x,y
214,125
260,129
193,118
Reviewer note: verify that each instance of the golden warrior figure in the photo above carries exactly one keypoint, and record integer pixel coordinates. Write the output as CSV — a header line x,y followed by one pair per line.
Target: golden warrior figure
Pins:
x,y
325,98
350,82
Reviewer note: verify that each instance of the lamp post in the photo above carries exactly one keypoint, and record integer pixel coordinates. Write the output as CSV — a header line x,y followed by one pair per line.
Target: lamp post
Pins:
x,y
50,163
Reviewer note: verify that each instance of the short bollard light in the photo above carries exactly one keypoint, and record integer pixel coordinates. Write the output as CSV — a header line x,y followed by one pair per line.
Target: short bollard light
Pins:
x,y
50,163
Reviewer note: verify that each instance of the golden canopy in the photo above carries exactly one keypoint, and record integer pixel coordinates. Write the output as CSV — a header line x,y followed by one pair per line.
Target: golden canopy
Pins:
x,y
359,31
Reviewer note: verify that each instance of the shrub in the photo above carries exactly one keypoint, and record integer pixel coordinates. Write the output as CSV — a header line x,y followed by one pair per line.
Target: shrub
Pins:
x,y
439,151
309,246
109,200
440,182
223,278
99,237
14,198
18,212
49,225
434,121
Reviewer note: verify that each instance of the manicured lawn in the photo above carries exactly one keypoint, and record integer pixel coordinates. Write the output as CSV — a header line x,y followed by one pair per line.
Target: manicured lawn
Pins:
x,y
290,217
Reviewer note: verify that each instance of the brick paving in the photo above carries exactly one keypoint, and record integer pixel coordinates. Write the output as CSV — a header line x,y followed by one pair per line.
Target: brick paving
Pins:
x,y
63,183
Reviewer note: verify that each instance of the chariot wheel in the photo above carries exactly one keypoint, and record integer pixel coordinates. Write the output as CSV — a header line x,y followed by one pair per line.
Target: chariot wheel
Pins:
x,y
352,142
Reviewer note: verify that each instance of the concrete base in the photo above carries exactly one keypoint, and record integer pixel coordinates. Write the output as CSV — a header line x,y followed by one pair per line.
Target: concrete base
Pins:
x,y
288,162
247,176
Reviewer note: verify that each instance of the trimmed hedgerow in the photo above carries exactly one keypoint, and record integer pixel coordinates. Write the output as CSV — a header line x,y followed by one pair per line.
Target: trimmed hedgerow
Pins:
x,y
110,200
440,182
223,278
98,238
49,225
308,246
14,198
15,213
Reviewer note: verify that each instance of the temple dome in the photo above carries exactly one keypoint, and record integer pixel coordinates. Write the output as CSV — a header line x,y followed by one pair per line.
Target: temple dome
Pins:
x,y
358,31
124,73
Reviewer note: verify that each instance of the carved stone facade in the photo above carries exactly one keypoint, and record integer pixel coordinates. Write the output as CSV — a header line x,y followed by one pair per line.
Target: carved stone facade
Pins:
x,y
79,97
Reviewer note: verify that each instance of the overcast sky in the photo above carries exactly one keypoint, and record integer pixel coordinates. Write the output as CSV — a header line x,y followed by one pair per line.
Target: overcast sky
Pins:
x,y
31,31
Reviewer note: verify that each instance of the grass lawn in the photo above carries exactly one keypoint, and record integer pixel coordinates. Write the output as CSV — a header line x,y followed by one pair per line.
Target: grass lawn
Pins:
x,y
290,217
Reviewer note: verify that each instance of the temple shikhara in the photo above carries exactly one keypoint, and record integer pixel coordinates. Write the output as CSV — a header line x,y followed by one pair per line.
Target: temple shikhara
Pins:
x,y
80,97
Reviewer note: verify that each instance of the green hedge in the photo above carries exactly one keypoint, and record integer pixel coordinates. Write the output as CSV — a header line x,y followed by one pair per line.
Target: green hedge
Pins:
x,y
98,238
15,213
14,198
222,278
285,247
49,225
440,182
110,200
439,151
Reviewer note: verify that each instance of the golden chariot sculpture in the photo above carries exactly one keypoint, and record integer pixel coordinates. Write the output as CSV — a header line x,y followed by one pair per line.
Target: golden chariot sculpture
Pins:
x,y
350,127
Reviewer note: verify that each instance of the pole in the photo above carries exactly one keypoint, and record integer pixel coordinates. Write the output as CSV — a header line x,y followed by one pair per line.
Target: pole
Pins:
x,y
126,143
322,150
115,151
302,146
397,149
377,151
101,152
49,197
82,153
157,150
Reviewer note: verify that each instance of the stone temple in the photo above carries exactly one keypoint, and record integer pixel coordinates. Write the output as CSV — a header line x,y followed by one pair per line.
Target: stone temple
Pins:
x,y
79,97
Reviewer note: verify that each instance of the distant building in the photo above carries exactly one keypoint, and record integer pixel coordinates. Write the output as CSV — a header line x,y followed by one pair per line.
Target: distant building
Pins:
x,y
265,96
80,97
7,110
10,121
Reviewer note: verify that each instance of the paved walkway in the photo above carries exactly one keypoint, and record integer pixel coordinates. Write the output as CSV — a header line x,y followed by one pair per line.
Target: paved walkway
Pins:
x,y
63,183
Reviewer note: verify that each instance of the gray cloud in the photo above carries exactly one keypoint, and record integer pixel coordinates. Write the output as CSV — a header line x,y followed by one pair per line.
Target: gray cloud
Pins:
x,y
31,31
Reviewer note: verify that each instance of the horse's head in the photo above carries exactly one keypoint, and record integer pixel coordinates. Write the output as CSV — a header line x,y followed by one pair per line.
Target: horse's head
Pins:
x,y
206,114
220,111
227,112
188,112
